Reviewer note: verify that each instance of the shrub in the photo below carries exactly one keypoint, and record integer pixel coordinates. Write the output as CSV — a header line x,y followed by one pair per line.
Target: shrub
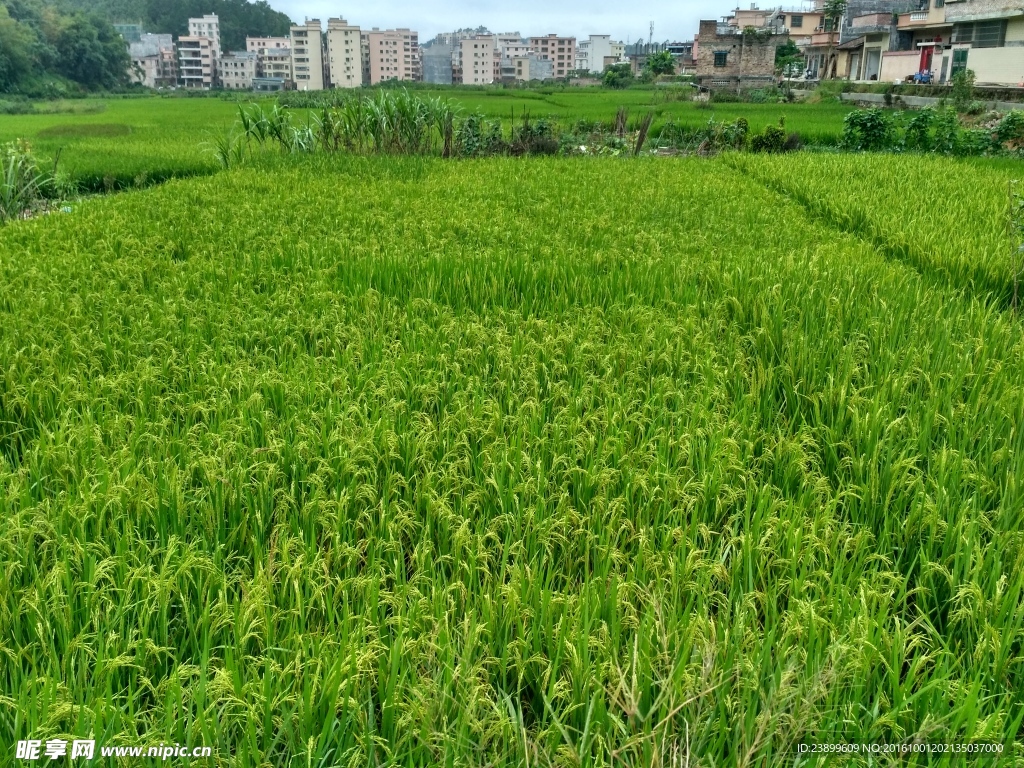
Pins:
x,y
725,97
918,132
962,92
771,140
478,136
868,130
947,131
1011,129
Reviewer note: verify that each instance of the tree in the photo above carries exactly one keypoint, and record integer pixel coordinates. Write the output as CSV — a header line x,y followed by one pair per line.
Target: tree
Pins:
x,y
16,50
832,17
617,76
90,52
662,63
788,61
38,40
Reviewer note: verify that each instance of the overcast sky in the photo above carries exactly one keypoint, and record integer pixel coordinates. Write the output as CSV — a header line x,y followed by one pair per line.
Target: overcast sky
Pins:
x,y
673,19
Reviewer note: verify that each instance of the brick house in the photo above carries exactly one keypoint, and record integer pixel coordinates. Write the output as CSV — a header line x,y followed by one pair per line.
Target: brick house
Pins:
x,y
727,57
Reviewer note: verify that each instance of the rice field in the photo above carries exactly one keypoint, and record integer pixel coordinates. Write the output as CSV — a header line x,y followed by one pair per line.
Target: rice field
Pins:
x,y
516,462
131,143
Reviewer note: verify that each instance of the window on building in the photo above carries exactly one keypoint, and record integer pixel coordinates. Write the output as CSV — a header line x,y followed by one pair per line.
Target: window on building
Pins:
x,y
720,58
981,34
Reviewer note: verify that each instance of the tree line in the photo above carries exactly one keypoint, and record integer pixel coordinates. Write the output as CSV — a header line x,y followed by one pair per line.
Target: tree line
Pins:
x,y
43,49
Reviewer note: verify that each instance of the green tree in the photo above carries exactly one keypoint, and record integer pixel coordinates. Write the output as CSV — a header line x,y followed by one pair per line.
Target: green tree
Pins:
x,y
617,76
90,52
16,50
832,16
662,63
789,61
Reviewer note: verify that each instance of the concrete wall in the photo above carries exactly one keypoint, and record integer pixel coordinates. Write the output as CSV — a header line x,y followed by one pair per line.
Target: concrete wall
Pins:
x,y
898,65
1002,66
878,100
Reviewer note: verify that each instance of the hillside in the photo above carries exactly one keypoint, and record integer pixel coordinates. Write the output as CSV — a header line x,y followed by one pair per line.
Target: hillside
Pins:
x,y
238,18
49,51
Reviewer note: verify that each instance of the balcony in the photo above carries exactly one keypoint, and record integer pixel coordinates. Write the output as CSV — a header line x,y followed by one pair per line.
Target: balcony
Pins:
x,y
934,17
824,38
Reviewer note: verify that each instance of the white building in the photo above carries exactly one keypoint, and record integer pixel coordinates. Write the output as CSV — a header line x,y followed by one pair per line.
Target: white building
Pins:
x,y
479,60
308,55
260,44
236,70
598,52
344,59
198,52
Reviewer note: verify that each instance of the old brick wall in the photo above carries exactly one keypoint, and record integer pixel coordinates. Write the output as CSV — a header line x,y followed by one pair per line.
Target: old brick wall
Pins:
x,y
748,56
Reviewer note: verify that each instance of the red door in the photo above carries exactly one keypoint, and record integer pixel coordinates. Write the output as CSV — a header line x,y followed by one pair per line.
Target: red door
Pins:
x,y
926,59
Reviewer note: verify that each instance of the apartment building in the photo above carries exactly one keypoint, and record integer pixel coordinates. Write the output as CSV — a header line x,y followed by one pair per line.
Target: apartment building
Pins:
x,y
532,67
198,52
207,26
196,62
437,63
391,54
344,55
260,44
237,70
154,61
275,67
478,57
510,47
308,55
560,51
597,52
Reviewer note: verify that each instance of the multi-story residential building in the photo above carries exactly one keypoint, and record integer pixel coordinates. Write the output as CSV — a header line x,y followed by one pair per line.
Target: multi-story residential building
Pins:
x,y
344,55
560,51
198,52
207,26
940,39
597,52
391,54
154,63
274,69
806,27
308,56
260,44
532,67
478,54
436,61
510,47
196,62
237,70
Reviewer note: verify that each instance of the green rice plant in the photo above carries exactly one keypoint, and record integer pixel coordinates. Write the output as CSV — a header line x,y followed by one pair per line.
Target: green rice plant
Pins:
x,y
398,461
955,233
